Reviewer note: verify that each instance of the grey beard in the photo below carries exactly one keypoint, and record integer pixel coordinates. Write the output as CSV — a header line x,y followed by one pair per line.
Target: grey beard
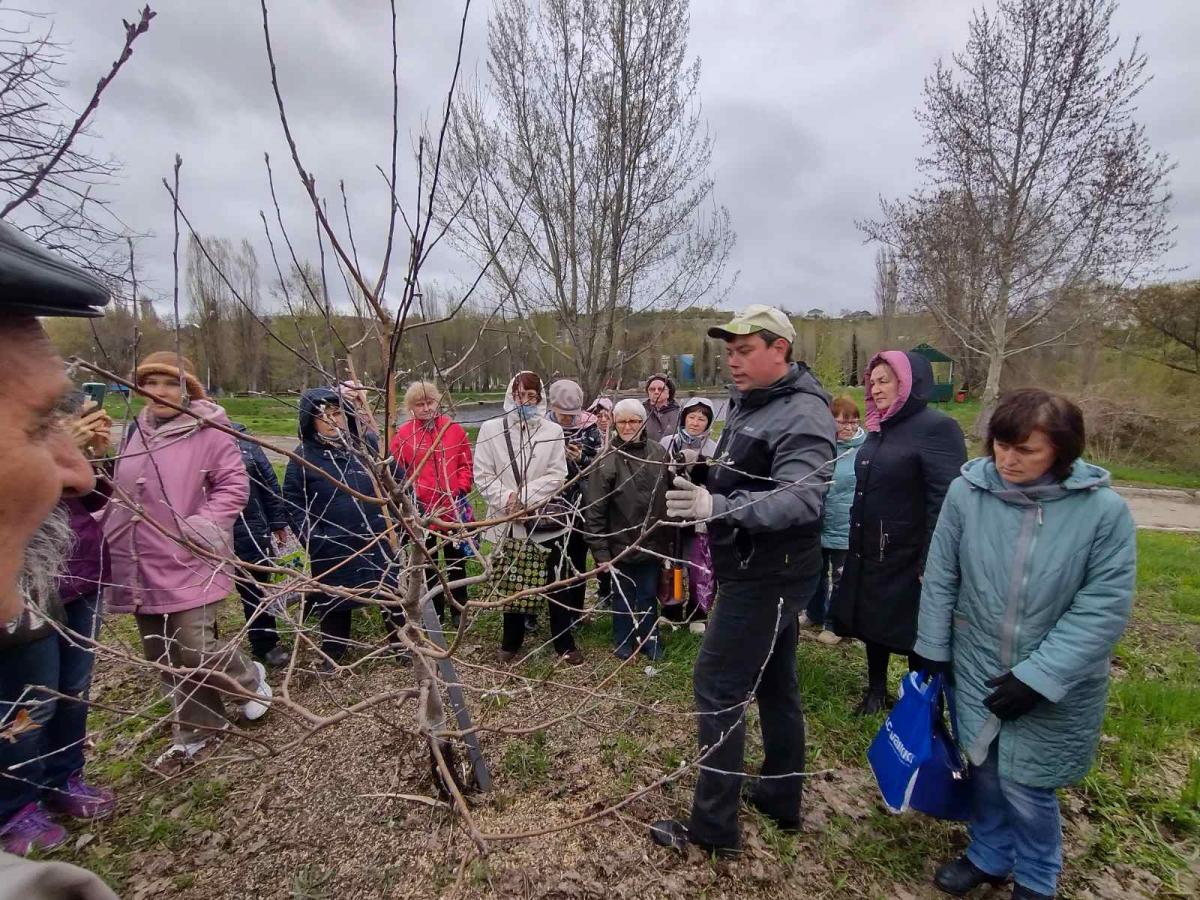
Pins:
x,y
46,558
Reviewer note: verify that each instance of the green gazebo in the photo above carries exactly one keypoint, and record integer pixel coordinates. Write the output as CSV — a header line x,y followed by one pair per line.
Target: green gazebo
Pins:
x,y
943,372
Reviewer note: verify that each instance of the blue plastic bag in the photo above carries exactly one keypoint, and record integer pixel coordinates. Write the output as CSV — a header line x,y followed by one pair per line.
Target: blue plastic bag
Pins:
x,y
914,757
904,742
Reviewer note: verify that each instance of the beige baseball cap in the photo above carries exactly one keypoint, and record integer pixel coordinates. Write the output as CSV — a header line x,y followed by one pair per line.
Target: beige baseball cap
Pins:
x,y
755,317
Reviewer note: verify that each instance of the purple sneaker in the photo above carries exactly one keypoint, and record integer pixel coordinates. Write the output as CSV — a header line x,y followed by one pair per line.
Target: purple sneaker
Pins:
x,y
80,800
31,828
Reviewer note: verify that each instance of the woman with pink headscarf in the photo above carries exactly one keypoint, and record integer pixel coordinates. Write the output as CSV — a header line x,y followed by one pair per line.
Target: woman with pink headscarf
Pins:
x,y
903,470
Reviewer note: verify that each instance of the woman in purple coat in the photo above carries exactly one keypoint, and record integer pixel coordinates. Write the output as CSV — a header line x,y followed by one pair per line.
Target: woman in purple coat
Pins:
x,y
178,488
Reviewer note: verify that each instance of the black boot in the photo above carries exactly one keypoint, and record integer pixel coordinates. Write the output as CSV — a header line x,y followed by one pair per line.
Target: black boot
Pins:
x,y
786,824
1024,893
674,834
873,701
961,876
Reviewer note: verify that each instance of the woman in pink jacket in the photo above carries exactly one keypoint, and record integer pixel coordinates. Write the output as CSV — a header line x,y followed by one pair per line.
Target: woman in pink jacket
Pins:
x,y
178,487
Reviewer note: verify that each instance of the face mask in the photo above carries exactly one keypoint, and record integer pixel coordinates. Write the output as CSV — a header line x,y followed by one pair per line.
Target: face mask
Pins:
x,y
528,411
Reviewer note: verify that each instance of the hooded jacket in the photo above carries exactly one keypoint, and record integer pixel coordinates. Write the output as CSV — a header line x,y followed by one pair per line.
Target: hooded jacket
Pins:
x,y
661,421
175,481
704,445
626,497
835,524
436,455
332,524
770,476
1038,580
902,472
264,512
541,457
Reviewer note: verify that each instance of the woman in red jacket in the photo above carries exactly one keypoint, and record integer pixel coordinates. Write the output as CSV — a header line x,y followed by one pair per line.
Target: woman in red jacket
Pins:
x,y
435,456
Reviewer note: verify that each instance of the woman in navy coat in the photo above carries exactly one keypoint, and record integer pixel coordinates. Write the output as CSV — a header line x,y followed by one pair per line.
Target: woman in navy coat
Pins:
x,y
903,470
342,534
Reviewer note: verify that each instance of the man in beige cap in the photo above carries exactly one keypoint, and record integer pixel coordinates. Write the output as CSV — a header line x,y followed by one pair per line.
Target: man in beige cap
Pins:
x,y
763,503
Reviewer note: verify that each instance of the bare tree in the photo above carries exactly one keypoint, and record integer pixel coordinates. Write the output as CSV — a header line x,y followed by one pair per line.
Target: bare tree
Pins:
x,y
211,302
887,290
53,188
580,178
1038,176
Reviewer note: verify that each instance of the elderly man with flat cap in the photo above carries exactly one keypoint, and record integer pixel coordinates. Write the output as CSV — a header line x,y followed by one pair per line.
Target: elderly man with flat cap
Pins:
x,y
763,502
39,463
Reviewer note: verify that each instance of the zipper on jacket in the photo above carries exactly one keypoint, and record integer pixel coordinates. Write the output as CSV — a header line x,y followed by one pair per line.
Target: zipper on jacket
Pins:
x,y
1025,579
883,539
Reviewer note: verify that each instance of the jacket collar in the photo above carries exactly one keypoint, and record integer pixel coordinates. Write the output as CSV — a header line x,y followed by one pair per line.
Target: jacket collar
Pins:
x,y
981,474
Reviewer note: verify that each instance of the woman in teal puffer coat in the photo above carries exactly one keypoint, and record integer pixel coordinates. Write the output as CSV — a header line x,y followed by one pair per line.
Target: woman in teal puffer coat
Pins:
x,y
835,521
1027,587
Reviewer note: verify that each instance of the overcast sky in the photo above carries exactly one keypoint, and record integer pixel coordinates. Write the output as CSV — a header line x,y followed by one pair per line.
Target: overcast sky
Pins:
x,y
810,105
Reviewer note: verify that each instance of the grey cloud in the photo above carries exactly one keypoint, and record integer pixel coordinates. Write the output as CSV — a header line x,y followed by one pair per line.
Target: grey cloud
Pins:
x,y
810,106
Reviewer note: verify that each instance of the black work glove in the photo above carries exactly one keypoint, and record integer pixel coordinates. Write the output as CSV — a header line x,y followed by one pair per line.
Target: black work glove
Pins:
x,y
928,666
1012,698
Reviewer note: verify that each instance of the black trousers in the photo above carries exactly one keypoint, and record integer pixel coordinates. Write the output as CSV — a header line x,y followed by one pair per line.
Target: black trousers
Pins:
x,y
568,557
751,629
877,666
264,630
455,567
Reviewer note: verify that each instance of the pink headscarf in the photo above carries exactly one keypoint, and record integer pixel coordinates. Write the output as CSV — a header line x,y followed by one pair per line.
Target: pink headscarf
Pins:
x,y
898,360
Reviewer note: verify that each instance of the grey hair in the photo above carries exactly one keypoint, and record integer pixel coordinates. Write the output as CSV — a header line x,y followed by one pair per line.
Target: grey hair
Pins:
x,y
629,407
46,559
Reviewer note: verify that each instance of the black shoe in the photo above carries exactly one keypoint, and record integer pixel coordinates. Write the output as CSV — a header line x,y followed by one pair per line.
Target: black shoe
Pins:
x,y
872,702
674,834
1024,893
961,876
786,824
276,657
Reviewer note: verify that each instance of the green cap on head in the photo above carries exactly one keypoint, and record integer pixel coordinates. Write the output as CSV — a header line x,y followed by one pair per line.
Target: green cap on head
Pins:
x,y
755,317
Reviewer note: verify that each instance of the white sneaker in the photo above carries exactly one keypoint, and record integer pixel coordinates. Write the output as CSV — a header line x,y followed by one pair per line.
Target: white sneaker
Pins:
x,y
828,637
805,621
178,757
256,709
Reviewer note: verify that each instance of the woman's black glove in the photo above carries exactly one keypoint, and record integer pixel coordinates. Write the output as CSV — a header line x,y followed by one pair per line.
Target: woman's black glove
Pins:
x,y
1012,698
928,666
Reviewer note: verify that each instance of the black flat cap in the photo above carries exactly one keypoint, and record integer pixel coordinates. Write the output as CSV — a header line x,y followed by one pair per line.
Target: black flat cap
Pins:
x,y
36,282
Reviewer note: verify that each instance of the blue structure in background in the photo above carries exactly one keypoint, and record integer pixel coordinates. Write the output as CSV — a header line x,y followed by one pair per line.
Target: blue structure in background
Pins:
x,y
687,368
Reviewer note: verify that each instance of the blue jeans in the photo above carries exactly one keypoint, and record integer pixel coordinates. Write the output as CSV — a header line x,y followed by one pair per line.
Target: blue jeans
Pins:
x,y
1014,828
45,757
635,607
832,562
